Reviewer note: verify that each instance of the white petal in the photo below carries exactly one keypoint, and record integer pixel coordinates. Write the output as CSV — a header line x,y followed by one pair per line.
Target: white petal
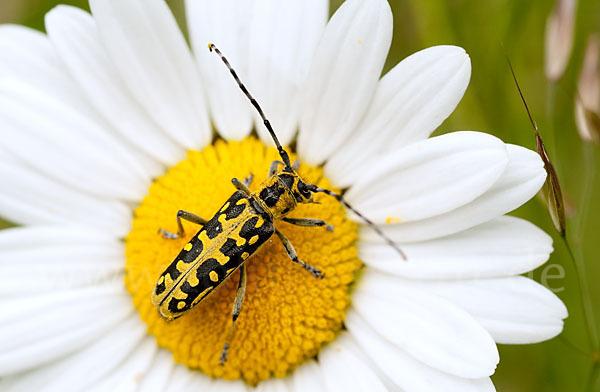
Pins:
x,y
230,386
75,36
14,239
70,320
226,24
28,55
82,369
364,357
514,310
28,197
151,55
64,144
343,77
272,385
410,102
430,177
343,370
52,267
32,75
505,246
431,329
182,379
129,374
521,180
405,371
283,38
157,376
199,381
307,377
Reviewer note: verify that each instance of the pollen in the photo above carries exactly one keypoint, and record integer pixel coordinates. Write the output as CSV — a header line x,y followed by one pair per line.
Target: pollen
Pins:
x,y
392,219
287,315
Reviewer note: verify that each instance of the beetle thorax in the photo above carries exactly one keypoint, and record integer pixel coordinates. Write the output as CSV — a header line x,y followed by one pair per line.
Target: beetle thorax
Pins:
x,y
275,197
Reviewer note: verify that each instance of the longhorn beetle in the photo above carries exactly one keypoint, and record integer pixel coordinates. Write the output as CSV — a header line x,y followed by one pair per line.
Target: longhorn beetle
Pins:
x,y
236,231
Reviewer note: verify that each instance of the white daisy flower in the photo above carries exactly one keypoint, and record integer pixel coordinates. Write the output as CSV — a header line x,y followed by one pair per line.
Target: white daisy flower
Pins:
x,y
97,117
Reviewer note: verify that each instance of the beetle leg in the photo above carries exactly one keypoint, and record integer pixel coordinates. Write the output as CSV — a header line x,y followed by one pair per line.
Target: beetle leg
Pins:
x,y
248,180
237,308
289,248
308,222
241,186
274,167
188,216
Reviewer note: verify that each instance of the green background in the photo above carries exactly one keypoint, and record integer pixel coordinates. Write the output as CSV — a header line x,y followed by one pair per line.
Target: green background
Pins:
x,y
488,30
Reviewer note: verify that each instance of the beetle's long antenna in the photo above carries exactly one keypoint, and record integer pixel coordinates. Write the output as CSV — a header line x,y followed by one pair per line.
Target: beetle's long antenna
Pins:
x,y
314,188
284,155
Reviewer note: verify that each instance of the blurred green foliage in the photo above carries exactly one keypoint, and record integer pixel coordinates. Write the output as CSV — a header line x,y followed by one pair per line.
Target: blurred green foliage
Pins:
x,y
488,30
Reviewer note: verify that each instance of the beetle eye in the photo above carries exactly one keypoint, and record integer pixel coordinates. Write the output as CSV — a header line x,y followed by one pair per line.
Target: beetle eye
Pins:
x,y
303,189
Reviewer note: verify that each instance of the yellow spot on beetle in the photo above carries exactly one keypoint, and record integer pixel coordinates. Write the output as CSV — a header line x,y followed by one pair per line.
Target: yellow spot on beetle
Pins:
x,y
192,279
259,222
187,247
213,276
222,259
253,239
181,266
203,237
161,280
178,294
168,281
180,305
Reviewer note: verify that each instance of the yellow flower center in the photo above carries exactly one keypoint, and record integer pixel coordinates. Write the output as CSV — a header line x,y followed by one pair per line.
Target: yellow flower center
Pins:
x,y
287,314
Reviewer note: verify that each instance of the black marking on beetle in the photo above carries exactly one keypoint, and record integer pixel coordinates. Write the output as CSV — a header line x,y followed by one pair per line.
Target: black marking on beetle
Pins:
x,y
249,228
173,306
160,288
196,250
287,180
191,255
270,195
213,227
173,271
228,247
234,210
203,271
